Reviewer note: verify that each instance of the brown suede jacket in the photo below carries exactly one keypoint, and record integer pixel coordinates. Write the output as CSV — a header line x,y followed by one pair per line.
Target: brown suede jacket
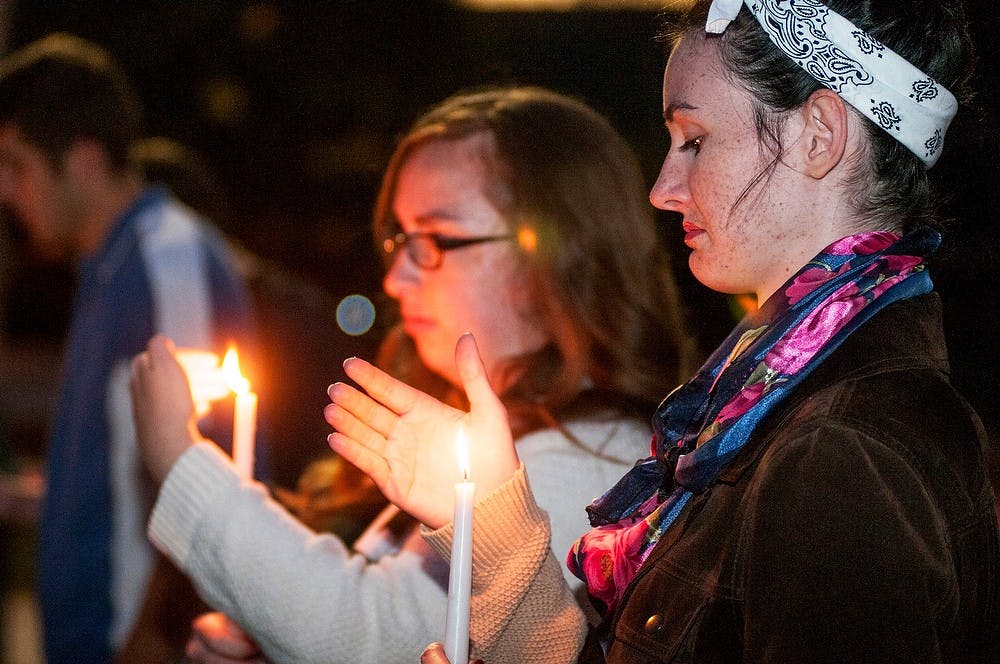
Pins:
x,y
857,525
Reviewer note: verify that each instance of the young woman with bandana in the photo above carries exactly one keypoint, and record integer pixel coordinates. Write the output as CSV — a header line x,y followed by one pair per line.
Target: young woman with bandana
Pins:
x,y
816,492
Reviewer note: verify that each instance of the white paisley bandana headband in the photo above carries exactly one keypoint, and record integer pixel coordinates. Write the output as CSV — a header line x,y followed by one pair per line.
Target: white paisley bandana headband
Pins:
x,y
881,84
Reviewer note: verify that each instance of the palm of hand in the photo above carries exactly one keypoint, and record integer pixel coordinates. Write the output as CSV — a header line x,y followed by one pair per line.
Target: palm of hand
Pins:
x,y
405,440
421,460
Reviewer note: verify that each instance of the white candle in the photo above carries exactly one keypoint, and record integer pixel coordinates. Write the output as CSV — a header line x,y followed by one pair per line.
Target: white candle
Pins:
x,y
456,635
244,415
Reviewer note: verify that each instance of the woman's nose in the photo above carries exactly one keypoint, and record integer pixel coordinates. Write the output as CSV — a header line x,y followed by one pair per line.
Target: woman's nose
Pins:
x,y
402,273
669,192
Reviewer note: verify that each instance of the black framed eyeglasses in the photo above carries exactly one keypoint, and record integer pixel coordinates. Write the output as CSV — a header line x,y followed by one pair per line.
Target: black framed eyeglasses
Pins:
x,y
427,249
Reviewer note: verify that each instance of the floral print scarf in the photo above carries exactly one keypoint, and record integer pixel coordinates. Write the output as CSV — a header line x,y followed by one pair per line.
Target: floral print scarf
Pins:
x,y
704,423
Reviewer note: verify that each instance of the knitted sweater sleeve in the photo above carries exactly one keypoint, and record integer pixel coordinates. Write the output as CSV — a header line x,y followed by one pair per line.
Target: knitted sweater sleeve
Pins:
x,y
303,596
522,609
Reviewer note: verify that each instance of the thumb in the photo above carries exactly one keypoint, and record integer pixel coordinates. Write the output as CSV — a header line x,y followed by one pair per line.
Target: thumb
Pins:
x,y
433,654
472,371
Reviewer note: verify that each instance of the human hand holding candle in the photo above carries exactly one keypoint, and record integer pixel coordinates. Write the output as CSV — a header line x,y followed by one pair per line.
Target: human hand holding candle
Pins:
x,y
398,435
456,635
166,385
162,406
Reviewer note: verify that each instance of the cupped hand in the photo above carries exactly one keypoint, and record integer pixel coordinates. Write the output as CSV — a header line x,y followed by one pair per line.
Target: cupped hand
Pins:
x,y
405,439
215,639
162,407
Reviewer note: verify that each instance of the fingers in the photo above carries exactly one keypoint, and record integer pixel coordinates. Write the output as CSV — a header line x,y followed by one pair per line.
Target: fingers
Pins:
x,y
370,463
434,654
160,353
196,652
361,406
394,394
142,363
162,407
362,426
357,429
217,639
158,357
161,348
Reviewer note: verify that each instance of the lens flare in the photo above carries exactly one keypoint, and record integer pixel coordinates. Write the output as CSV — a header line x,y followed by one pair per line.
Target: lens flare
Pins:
x,y
355,315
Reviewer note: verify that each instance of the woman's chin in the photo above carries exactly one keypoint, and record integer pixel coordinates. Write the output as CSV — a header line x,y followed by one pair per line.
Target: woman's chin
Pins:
x,y
711,276
705,275
439,360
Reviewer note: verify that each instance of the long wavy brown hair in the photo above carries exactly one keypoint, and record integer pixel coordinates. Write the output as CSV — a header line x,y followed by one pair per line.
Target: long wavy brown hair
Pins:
x,y
571,189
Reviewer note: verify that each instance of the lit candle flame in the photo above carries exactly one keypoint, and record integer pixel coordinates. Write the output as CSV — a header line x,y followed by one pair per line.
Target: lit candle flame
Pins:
x,y
231,371
462,449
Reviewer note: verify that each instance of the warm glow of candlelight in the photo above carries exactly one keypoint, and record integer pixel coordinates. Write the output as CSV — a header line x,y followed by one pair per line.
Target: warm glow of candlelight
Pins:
x,y
244,415
462,450
236,381
204,377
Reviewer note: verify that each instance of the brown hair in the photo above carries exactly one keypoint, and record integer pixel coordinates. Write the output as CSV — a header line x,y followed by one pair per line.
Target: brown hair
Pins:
x,y
61,89
570,187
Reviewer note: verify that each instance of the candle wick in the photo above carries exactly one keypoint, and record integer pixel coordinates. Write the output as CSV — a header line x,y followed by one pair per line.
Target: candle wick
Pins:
x,y
465,475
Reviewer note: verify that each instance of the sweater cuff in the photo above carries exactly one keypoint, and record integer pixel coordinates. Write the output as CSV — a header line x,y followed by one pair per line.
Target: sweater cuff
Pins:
x,y
198,477
500,521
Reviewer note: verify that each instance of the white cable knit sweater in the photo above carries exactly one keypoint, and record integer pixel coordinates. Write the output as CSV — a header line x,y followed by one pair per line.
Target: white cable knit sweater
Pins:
x,y
306,598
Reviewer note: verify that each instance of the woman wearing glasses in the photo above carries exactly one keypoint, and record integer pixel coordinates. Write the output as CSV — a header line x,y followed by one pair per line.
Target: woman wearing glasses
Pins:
x,y
518,215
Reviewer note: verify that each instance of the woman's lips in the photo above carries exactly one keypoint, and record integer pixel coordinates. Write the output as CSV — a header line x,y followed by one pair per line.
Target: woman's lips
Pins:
x,y
690,232
416,324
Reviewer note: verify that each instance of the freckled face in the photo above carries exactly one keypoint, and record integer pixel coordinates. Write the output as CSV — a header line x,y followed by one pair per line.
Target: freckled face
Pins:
x,y
480,288
738,246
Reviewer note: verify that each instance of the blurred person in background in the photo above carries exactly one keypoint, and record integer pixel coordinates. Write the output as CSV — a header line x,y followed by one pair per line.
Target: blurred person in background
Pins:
x,y
145,263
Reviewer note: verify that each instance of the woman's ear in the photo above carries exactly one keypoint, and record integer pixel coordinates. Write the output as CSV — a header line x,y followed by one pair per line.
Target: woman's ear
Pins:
x,y
824,134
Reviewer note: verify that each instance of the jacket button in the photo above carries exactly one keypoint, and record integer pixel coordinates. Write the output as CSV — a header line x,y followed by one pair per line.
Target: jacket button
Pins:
x,y
654,623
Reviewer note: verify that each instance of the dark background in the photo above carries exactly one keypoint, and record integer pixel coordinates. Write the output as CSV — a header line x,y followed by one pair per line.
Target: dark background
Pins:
x,y
296,107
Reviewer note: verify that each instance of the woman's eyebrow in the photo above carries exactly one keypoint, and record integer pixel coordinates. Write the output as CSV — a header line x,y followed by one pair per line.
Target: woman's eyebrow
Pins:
x,y
668,112
436,216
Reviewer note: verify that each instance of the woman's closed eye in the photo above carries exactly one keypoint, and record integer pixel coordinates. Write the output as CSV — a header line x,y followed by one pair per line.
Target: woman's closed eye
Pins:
x,y
692,144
